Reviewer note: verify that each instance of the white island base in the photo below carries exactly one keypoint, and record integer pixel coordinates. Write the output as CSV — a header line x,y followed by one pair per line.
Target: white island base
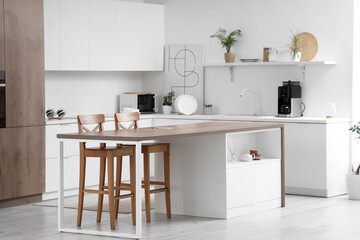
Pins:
x,y
205,183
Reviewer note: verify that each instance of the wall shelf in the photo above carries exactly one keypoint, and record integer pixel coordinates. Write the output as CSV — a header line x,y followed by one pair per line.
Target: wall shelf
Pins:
x,y
302,65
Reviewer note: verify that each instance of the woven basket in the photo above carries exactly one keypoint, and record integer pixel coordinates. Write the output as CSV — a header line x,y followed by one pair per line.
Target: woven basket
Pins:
x,y
307,45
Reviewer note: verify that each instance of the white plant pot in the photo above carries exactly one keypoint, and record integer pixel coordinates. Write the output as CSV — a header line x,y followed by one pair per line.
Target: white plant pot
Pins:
x,y
353,186
166,109
296,57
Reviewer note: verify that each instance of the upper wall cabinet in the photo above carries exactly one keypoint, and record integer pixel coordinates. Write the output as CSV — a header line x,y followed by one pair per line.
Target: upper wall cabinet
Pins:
x,y
102,26
140,35
74,30
104,35
52,34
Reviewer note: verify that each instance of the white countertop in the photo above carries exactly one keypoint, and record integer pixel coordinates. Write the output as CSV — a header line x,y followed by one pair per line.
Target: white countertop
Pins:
x,y
218,117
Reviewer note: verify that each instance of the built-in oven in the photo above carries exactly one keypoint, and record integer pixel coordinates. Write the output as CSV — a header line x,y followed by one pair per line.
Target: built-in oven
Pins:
x,y
2,100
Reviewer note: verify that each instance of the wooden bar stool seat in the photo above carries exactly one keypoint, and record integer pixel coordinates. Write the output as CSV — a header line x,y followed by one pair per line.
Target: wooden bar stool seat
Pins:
x,y
147,149
104,152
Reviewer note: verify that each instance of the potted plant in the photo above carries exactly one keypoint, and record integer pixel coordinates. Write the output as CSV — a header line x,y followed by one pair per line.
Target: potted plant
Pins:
x,y
294,47
353,178
227,41
167,102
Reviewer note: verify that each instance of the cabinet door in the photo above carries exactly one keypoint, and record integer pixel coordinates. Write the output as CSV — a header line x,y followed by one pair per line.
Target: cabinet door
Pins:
x,y
268,182
305,158
2,37
74,22
25,77
52,143
22,165
52,34
140,36
102,25
240,186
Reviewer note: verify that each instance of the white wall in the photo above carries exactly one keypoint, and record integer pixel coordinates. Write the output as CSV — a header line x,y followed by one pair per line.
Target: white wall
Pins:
x,y
356,82
266,23
88,92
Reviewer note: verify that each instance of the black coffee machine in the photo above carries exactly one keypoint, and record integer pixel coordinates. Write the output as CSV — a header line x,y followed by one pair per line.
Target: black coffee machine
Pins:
x,y
289,99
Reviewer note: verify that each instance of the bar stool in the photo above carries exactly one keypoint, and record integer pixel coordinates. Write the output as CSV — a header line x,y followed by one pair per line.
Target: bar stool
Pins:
x,y
104,152
146,150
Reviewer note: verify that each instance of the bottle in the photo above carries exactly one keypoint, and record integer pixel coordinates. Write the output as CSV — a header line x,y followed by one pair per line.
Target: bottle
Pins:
x,y
208,109
266,54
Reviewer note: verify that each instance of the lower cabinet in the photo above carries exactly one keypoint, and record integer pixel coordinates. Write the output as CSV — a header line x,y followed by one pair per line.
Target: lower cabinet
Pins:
x,y
22,161
253,186
316,159
71,173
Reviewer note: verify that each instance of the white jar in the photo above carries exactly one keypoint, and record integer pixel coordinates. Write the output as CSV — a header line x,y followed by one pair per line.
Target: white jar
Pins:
x,y
273,55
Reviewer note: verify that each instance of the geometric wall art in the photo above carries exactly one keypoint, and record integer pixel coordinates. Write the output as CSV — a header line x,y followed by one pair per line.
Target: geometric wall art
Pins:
x,y
184,71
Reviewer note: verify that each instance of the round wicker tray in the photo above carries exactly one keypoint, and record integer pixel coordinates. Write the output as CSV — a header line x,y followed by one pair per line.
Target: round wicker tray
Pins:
x,y
307,45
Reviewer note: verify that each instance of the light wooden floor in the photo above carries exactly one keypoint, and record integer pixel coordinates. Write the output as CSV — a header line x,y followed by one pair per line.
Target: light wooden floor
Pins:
x,y
303,218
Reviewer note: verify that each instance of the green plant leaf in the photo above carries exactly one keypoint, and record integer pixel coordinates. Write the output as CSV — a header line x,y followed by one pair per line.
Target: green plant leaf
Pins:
x,y
227,40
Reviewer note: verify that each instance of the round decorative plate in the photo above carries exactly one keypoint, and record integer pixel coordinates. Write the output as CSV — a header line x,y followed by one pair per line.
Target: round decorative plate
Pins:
x,y
186,104
307,45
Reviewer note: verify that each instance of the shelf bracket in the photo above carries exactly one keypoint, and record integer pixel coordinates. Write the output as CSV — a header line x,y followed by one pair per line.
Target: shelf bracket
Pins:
x,y
231,70
303,70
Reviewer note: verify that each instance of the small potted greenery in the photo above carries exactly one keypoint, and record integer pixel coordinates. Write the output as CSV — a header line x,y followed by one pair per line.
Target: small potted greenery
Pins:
x,y
294,47
353,178
227,41
167,102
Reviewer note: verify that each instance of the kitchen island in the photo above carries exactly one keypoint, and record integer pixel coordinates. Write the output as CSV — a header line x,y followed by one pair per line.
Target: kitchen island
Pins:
x,y
204,182
318,146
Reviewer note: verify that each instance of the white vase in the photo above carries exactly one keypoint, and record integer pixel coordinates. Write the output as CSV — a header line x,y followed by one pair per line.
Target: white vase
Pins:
x,y
353,186
296,57
166,109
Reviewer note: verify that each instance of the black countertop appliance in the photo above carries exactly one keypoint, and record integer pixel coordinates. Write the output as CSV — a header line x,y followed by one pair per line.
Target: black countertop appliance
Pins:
x,y
289,99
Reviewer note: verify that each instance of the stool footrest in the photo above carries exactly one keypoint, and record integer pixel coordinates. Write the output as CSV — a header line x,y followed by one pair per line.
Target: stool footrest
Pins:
x,y
159,190
95,191
125,188
155,183
123,196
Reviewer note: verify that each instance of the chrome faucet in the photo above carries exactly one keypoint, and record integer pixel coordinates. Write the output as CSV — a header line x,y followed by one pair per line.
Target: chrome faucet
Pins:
x,y
254,96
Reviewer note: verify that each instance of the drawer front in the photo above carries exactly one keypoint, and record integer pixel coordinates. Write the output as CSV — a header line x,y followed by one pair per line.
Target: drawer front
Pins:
x,y
52,143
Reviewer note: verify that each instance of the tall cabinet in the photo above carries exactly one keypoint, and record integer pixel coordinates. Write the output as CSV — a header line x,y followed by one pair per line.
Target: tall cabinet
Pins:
x,y
22,142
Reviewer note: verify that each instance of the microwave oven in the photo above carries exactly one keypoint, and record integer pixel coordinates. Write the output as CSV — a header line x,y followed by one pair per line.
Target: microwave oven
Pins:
x,y
146,103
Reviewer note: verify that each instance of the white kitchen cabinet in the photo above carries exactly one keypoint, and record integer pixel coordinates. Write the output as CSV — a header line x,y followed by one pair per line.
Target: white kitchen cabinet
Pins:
x,y
52,34
52,143
140,36
74,28
71,170
104,35
102,25
253,183
317,158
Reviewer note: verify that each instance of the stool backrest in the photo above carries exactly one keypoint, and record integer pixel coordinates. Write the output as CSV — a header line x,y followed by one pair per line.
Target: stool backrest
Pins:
x,y
97,119
126,117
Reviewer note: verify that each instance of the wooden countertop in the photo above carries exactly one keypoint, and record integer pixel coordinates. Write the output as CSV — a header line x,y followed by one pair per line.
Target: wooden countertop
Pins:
x,y
183,130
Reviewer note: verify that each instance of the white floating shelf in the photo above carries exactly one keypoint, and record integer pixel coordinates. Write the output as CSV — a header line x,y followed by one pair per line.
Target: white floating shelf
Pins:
x,y
302,65
235,64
